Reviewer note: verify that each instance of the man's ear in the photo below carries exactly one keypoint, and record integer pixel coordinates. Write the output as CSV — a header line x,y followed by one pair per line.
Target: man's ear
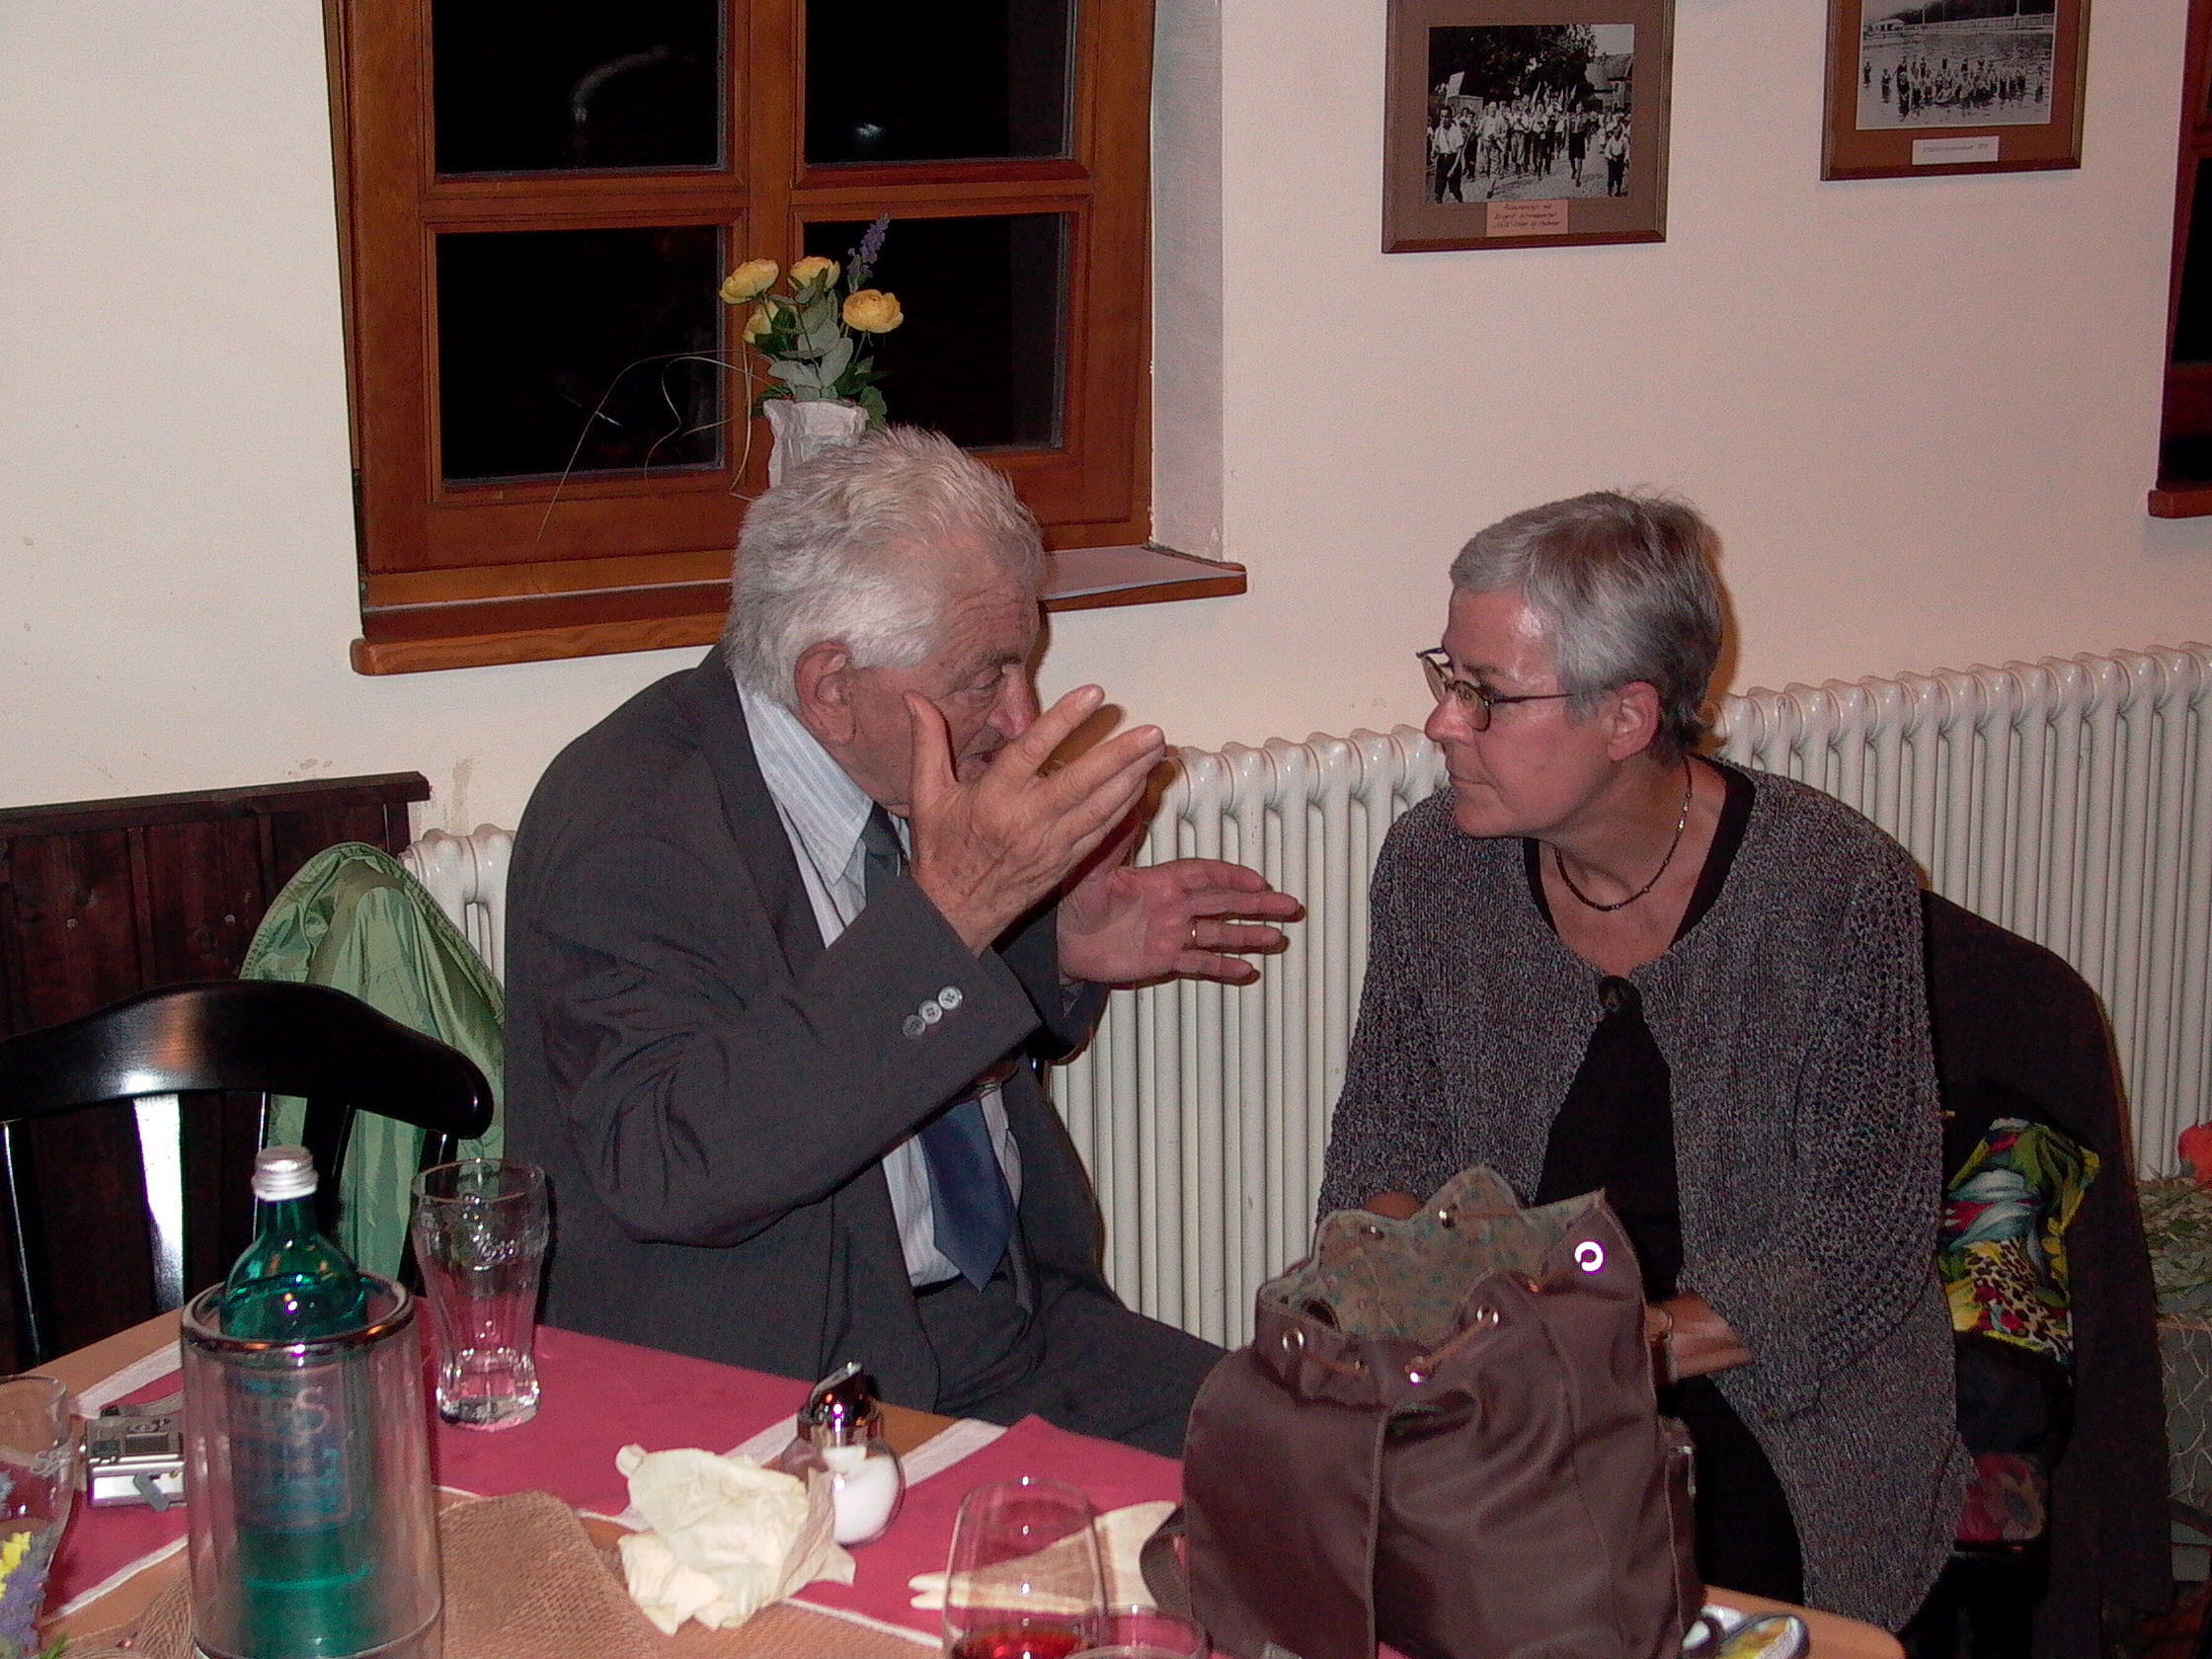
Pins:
x,y
1634,719
822,681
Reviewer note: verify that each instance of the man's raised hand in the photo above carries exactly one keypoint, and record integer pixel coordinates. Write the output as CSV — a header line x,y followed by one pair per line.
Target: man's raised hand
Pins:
x,y
1188,919
988,850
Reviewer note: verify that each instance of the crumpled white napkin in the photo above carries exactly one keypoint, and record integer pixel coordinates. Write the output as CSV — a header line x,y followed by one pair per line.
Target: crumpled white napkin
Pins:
x,y
1121,1545
728,1536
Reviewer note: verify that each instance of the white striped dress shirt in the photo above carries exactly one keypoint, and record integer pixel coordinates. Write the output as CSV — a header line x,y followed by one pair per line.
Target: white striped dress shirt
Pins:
x,y
824,812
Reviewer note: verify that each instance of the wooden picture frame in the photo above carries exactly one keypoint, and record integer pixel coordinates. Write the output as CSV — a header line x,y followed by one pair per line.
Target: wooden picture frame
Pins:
x,y
1526,124
1918,90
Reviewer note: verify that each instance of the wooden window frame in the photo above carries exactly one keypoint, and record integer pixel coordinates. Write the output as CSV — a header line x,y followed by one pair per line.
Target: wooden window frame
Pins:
x,y
2186,405
458,576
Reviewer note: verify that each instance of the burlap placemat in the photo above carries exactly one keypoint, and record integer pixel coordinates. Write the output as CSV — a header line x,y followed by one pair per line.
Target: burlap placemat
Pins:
x,y
523,1581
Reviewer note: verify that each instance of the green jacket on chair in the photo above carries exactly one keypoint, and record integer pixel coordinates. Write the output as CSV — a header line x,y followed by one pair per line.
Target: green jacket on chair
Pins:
x,y
355,920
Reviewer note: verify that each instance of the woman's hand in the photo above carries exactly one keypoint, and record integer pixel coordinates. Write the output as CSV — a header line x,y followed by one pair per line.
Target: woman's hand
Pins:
x,y
1691,1339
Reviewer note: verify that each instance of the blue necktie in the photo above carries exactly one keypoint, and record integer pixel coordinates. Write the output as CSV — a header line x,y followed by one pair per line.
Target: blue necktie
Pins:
x,y
972,1212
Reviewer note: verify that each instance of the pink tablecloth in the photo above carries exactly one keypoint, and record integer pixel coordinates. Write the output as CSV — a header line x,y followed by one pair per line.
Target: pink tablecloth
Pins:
x,y
601,1396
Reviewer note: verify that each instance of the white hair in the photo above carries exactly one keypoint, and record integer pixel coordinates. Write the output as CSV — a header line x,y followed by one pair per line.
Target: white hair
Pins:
x,y
850,547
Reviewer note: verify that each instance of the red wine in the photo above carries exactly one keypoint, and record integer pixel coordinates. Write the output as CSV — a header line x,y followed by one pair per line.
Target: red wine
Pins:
x,y
1018,1641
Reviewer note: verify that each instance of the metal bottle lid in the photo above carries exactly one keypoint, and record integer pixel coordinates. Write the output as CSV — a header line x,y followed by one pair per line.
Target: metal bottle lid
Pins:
x,y
284,1172
842,1409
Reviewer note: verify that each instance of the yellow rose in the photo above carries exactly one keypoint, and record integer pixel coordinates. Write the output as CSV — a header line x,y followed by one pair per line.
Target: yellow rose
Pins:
x,y
756,325
813,266
750,280
872,311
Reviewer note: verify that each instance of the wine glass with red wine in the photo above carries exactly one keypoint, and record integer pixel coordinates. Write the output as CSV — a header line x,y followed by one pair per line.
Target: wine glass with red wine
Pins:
x,y
1024,1581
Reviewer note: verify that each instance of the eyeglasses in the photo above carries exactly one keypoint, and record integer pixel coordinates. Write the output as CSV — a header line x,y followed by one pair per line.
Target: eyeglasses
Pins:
x,y
1474,702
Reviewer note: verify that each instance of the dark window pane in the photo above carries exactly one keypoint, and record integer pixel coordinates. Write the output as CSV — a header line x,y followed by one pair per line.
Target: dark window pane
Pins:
x,y
2192,321
577,83
889,80
2185,461
561,344
979,355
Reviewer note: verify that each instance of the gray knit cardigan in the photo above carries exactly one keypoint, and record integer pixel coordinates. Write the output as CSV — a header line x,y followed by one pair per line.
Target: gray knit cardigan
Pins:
x,y
1793,1018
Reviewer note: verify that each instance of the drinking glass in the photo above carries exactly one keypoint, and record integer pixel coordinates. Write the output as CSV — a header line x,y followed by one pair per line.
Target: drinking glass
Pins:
x,y
1024,1581
1145,1632
39,1451
480,1232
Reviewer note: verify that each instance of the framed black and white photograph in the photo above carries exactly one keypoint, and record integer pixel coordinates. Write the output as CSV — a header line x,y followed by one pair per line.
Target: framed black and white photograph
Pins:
x,y
1919,87
1515,126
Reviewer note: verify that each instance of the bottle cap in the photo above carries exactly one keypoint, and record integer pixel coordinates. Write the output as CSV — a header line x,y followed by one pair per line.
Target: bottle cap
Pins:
x,y
842,1409
282,1172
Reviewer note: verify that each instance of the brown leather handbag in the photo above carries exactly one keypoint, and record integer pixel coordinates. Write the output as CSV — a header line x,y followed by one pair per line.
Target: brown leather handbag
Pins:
x,y
1443,1436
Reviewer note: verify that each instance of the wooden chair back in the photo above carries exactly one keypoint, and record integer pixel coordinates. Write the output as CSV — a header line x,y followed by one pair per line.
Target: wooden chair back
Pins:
x,y
168,1068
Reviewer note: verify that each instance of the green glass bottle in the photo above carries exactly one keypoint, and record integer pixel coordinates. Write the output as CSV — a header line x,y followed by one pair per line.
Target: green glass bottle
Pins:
x,y
291,1285
302,1459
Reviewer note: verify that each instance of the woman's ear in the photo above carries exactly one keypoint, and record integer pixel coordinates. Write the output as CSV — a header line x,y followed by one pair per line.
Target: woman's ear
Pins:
x,y
1634,719
821,681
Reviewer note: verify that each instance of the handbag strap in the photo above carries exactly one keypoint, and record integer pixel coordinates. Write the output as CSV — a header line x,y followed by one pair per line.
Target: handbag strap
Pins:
x,y
1162,1567
1170,1584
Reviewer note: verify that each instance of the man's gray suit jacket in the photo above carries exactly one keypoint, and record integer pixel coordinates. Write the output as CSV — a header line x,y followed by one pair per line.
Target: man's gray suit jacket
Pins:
x,y
711,1090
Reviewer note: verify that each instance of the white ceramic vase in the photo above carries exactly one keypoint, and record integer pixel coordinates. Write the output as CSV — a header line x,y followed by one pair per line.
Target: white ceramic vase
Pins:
x,y
803,431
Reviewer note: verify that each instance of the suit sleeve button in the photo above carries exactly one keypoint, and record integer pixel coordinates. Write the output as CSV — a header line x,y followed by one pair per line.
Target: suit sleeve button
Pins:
x,y
915,1025
951,997
931,1012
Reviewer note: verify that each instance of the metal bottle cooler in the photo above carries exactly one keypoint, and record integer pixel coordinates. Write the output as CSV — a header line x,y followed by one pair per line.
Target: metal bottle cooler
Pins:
x,y
307,1481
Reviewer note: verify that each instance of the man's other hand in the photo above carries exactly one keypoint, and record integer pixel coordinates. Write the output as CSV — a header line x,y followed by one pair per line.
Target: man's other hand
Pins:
x,y
1123,926
988,850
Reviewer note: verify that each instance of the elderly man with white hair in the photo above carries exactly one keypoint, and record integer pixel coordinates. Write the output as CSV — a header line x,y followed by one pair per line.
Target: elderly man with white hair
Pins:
x,y
790,935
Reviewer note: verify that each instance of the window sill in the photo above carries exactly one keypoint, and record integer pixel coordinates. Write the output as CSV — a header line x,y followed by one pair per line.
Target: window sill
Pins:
x,y
468,634
2182,501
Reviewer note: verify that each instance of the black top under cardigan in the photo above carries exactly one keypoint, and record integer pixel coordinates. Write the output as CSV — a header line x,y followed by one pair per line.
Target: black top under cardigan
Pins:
x,y
1615,1131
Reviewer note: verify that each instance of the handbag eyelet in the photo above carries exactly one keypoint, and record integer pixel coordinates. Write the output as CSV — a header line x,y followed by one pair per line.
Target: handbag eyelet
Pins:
x,y
1590,1255
1416,1376
1294,1341
1371,1231
1485,1318
1447,1218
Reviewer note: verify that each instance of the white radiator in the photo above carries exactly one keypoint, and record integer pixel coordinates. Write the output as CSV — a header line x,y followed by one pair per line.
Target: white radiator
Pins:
x,y
467,876
1202,1110
2070,800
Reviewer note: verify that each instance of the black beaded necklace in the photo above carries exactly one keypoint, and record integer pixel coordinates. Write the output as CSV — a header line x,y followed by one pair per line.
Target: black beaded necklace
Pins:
x,y
1689,791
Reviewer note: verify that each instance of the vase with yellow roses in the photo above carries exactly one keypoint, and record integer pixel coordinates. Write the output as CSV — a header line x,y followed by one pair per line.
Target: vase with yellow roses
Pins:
x,y
816,339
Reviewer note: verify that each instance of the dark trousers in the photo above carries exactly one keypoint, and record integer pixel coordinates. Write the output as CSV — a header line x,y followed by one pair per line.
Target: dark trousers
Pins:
x,y
1078,1360
1983,1607
1747,1537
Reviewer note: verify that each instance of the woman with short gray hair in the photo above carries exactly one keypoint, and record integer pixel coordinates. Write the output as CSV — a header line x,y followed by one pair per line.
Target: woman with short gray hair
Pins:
x,y
1599,959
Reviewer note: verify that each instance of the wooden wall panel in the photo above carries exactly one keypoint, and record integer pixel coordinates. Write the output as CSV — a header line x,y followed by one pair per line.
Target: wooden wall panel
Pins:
x,y
296,836
74,924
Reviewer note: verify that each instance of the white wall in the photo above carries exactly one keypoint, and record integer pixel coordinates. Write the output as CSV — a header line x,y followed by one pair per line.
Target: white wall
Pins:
x,y
1923,412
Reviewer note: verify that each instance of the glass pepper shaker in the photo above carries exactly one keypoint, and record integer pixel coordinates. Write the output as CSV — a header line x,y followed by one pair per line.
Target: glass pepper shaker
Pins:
x,y
840,1432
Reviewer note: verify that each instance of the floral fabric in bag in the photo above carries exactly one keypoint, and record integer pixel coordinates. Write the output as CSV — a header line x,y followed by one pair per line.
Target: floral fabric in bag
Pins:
x,y
1443,1435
